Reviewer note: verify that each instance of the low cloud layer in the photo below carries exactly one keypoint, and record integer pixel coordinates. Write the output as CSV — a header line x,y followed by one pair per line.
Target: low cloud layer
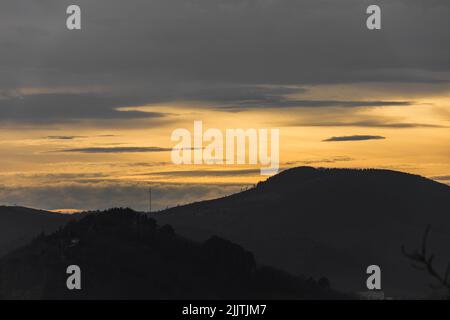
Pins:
x,y
87,196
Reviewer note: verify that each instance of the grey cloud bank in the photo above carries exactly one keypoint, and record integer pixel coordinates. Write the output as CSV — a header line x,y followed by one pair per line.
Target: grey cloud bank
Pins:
x,y
165,50
48,108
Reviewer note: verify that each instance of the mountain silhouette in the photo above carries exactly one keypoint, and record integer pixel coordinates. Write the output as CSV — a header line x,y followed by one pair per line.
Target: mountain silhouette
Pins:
x,y
333,222
126,255
305,221
18,225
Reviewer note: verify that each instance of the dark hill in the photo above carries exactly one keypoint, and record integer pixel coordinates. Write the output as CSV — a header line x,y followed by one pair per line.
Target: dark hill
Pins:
x,y
332,222
19,225
125,255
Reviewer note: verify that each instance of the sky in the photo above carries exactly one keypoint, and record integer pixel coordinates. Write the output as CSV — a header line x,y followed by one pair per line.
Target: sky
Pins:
x,y
86,116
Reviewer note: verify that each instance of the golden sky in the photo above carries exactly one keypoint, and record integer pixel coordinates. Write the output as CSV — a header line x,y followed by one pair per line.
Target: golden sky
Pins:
x,y
66,155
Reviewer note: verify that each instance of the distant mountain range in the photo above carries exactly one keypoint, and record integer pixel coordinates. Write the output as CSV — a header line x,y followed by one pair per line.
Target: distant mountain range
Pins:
x,y
332,222
308,222
125,255
19,225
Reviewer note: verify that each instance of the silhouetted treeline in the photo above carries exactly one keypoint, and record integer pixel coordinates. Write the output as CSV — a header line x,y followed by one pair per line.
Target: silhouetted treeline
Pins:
x,y
126,255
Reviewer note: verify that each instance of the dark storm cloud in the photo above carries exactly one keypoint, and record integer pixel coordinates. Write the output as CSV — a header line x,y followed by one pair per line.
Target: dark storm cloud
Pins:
x,y
164,50
116,150
353,138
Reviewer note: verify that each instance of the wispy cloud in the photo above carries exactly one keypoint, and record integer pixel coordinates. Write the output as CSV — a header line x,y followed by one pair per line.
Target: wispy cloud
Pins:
x,y
243,97
204,173
71,137
283,102
316,161
353,138
63,137
441,178
368,124
115,150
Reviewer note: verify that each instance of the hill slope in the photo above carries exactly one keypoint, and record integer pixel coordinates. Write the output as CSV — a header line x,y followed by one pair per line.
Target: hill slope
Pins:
x,y
125,255
19,225
330,221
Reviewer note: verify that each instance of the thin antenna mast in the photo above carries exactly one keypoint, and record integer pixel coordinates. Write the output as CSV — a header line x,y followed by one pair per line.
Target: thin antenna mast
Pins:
x,y
149,199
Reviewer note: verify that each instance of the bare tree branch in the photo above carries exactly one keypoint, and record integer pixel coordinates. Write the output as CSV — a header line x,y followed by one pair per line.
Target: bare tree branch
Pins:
x,y
424,261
